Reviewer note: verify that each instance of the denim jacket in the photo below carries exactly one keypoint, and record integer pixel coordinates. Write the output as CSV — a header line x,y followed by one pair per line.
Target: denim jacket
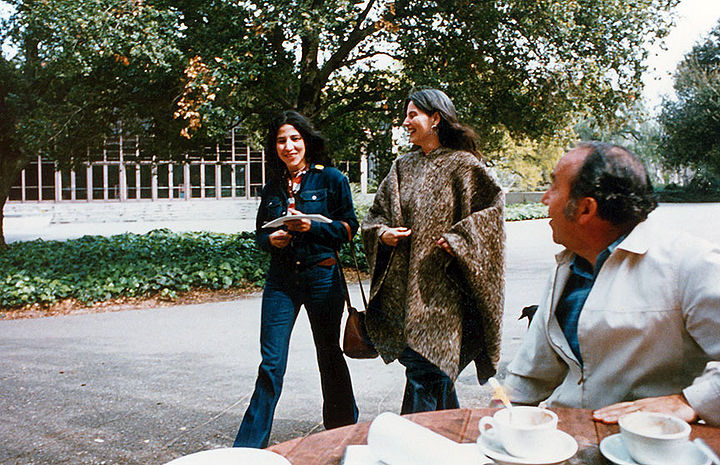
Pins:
x,y
324,191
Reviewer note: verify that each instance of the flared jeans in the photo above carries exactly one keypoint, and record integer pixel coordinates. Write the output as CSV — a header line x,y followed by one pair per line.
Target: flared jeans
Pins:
x,y
427,387
321,291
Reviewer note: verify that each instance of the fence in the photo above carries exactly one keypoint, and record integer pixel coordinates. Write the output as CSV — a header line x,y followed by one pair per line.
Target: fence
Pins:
x,y
123,172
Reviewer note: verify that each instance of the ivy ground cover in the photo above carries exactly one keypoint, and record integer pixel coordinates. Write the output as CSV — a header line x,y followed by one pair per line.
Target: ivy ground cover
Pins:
x,y
160,263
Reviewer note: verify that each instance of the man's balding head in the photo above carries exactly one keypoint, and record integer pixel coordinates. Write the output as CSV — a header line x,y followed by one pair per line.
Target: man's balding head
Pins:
x,y
617,180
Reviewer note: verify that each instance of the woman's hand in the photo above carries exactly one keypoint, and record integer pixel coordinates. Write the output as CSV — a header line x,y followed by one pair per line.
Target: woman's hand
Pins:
x,y
297,225
280,238
392,236
443,244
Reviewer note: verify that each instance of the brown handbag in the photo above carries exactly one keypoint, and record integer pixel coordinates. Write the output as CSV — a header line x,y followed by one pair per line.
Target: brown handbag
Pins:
x,y
356,343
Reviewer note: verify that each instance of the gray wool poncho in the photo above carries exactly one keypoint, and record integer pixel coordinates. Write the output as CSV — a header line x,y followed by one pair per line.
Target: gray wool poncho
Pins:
x,y
448,309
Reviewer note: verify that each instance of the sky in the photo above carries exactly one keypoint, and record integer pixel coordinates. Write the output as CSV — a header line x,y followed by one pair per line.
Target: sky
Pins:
x,y
694,20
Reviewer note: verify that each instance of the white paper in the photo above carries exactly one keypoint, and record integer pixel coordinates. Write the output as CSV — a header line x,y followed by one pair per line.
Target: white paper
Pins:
x,y
394,440
468,454
281,220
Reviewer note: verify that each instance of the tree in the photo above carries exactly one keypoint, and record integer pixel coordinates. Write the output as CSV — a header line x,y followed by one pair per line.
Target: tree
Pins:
x,y
691,123
526,68
635,128
79,68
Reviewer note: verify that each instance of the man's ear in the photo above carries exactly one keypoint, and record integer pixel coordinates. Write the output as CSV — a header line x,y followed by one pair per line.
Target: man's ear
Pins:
x,y
586,210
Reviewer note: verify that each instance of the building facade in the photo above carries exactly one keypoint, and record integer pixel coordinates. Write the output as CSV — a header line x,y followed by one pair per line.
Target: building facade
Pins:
x,y
124,172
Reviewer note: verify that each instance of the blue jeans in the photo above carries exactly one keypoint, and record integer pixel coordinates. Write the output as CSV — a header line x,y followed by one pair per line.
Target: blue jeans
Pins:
x,y
427,387
320,289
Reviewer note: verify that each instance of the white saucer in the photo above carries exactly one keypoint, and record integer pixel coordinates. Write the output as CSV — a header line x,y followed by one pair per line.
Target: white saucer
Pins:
x,y
232,456
613,448
562,448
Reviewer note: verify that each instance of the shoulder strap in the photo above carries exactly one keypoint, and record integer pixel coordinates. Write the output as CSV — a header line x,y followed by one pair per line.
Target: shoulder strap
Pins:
x,y
357,268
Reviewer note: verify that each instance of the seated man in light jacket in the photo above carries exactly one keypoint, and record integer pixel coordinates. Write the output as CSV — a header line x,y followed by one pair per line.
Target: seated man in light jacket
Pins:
x,y
631,317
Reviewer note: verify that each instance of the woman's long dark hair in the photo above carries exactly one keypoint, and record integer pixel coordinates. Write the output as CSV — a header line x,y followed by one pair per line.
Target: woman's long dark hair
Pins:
x,y
315,147
451,132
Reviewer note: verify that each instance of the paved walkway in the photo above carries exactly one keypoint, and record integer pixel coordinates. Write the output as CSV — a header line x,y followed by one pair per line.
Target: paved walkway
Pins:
x,y
144,387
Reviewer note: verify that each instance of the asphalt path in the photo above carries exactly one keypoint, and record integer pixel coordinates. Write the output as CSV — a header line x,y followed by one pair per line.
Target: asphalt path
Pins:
x,y
147,386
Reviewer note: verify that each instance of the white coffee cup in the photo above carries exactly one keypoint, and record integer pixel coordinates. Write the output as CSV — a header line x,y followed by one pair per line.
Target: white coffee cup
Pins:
x,y
523,431
654,438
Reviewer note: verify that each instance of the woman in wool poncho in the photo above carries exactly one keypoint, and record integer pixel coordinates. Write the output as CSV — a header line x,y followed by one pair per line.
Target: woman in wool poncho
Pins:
x,y
434,238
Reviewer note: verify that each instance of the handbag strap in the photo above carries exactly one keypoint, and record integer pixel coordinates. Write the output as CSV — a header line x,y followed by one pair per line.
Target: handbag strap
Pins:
x,y
357,269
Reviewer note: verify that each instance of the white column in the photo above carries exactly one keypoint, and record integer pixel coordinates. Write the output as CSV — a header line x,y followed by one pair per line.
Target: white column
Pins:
x,y
89,177
202,178
233,180
363,172
138,187
73,185
122,171
218,174
39,186
247,170
58,184
23,196
171,182
153,180
105,173
186,180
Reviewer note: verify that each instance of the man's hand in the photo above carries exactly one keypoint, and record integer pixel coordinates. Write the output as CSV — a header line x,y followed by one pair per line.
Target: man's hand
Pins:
x,y
392,236
298,225
280,238
674,405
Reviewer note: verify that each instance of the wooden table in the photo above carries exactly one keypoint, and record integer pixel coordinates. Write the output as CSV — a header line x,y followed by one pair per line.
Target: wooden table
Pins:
x,y
461,425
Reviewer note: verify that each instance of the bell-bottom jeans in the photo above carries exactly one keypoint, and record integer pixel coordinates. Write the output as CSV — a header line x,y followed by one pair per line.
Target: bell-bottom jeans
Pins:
x,y
427,387
321,291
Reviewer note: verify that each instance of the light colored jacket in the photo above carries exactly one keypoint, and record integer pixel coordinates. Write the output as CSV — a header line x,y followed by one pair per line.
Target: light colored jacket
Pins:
x,y
650,327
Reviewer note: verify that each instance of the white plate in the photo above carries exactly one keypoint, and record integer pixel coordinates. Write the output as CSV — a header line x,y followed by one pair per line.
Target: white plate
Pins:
x,y
232,456
613,448
562,448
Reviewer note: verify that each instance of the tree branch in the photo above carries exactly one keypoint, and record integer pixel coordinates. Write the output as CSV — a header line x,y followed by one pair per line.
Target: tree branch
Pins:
x,y
357,35
360,101
365,56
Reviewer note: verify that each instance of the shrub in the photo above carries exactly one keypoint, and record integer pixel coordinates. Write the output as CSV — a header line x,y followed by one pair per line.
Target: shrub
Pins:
x,y
160,263
525,211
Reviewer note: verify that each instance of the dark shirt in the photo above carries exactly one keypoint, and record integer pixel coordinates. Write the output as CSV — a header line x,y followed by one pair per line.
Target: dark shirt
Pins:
x,y
576,292
324,191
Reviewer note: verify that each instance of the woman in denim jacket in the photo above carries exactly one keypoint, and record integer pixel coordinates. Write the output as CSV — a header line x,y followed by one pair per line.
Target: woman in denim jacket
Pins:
x,y
303,271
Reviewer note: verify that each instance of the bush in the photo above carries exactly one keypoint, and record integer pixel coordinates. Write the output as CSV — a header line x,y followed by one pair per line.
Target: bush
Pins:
x,y
160,263
525,211
701,189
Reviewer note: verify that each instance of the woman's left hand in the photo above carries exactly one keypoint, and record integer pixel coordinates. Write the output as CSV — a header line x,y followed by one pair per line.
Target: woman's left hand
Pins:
x,y
298,225
443,244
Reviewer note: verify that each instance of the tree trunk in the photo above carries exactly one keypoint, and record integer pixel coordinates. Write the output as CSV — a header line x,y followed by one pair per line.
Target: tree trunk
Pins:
x,y
11,165
3,245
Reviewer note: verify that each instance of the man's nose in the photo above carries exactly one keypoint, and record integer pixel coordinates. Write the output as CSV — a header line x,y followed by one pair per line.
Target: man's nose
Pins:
x,y
546,198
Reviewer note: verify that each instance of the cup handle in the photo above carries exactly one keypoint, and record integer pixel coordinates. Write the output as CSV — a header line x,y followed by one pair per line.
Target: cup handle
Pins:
x,y
486,422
